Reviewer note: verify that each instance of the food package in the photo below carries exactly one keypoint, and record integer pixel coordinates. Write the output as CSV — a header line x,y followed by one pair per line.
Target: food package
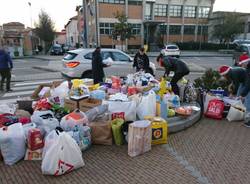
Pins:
x,y
33,155
184,110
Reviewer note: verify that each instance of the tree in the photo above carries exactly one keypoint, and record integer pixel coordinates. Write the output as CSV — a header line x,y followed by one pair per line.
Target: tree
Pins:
x,y
45,29
122,30
230,26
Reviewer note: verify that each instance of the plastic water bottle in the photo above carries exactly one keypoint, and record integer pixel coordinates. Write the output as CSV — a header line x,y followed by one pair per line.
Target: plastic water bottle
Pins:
x,y
76,134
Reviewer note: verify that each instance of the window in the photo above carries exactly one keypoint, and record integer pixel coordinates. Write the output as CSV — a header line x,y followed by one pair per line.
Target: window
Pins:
x,y
106,55
204,30
175,11
106,28
134,2
148,12
174,29
203,12
136,29
161,10
117,56
163,29
69,56
112,1
248,27
189,30
189,11
88,56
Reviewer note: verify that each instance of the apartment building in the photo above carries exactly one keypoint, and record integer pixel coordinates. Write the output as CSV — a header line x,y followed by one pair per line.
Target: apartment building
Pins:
x,y
72,33
154,22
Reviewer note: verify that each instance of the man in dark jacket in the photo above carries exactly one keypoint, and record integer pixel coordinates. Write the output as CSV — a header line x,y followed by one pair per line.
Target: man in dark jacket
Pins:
x,y
97,66
179,68
235,75
5,69
141,61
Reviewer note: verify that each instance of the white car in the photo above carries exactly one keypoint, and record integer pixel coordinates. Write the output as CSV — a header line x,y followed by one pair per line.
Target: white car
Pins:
x,y
77,63
171,50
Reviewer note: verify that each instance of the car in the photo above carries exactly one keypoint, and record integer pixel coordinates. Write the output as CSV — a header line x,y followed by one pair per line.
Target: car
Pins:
x,y
77,63
239,50
56,49
171,50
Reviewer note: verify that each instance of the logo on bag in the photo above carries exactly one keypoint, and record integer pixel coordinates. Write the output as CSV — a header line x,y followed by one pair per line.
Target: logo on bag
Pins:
x,y
63,168
157,133
116,115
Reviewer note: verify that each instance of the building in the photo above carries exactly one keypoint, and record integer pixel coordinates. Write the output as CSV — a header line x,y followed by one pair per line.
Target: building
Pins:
x,y
72,34
60,37
154,22
217,18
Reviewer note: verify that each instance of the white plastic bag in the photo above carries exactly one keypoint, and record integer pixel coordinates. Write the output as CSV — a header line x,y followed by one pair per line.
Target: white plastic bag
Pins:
x,y
236,112
62,157
129,108
7,108
147,106
12,143
59,93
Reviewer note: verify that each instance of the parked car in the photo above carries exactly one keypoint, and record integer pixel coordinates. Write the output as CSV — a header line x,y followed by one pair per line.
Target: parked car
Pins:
x,y
239,50
171,50
56,50
77,63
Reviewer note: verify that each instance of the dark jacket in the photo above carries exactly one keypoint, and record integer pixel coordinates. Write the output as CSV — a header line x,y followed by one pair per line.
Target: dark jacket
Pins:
x,y
97,65
246,89
5,60
141,62
175,65
237,76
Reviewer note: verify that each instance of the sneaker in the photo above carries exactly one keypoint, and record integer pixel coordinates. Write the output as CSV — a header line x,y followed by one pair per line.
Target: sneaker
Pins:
x,y
247,124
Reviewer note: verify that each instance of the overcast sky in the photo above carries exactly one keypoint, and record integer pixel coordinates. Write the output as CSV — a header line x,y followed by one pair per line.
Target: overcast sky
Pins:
x,y
61,10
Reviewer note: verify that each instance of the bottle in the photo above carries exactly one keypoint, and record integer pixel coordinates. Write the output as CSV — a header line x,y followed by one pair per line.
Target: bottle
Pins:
x,y
76,134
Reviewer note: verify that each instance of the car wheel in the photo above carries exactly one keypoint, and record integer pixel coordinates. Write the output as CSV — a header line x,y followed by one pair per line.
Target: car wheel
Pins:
x,y
87,74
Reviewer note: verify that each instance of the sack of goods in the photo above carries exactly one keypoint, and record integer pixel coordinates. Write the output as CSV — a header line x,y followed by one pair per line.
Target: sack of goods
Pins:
x,y
69,121
139,137
62,156
236,112
12,143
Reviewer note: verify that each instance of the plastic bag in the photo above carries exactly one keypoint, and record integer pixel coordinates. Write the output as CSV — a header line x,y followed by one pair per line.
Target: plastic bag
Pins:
x,y
62,157
74,118
7,108
129,108
12,143
59,93
116,125
215,109
236,112
93,113
98,94
147,106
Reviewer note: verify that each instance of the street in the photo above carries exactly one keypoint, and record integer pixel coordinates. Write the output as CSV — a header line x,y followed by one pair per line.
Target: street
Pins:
x,y
26,76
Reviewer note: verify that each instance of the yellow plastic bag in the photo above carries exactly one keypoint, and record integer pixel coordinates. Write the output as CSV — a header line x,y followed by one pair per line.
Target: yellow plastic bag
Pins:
x,y
159,130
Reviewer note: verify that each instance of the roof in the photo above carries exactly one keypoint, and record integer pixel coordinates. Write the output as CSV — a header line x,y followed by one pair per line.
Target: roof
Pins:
x,y
13,24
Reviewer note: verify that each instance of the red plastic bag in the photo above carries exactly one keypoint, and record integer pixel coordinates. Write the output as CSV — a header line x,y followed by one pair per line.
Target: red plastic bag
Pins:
x,y
215,109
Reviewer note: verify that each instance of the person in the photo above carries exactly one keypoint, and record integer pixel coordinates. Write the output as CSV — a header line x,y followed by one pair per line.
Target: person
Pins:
x,y
178,66
97,66
244,57
141,61
6,66
236,76
245,91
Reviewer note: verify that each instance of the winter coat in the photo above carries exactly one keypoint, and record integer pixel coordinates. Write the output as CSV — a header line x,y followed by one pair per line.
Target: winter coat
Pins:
x,y
175,65
141,62
97,66
237,76
5,60
246,88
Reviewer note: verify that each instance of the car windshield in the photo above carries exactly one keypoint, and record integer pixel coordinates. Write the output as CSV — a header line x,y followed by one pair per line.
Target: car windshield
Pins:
x,y
172,47
69,56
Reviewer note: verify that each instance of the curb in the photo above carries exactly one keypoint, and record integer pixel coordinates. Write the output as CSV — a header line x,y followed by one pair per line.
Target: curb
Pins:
x,y
45,69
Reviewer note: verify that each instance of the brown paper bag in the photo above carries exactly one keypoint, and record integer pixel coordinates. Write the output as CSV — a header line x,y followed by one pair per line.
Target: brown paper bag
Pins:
x,y
101,132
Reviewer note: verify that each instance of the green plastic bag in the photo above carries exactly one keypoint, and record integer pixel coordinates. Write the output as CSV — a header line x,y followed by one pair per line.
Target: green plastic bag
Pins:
x,y
116,125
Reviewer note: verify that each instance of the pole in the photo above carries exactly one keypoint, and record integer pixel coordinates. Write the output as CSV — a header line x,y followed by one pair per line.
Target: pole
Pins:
x,y
85,19
31,38
200,38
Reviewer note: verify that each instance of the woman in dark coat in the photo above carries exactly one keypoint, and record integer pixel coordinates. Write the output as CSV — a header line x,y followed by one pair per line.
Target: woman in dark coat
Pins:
x,y
97,66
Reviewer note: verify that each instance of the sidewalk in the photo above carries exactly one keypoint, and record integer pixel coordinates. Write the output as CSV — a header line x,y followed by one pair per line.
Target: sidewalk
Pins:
x,y
209,152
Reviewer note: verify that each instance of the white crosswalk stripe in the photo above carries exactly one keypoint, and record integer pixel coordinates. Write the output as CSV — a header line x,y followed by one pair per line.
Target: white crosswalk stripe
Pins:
x,y
22,90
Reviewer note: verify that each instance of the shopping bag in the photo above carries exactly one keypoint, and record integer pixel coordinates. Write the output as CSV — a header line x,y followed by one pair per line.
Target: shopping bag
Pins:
x,y
215,109
147,106
128,107
12,143
62,157
116,125
101,133
236,112
208,97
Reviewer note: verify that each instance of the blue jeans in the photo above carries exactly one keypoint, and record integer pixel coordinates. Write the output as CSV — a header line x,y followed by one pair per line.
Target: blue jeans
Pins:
x,y
247,99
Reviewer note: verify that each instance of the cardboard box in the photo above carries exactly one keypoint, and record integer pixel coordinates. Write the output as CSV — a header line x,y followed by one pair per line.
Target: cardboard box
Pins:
x,y
70,104
38,89
89,103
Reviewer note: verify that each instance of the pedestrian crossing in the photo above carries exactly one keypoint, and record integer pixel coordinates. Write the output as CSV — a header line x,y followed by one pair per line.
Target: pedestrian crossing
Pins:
x,y
22,90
